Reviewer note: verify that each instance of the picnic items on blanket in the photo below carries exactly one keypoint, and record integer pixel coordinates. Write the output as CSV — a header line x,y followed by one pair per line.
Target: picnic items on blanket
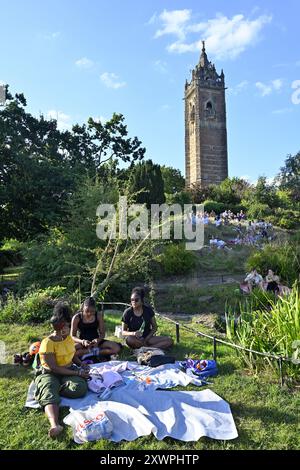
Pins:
x,y
101,381
201,368
156,361
144,354
89,426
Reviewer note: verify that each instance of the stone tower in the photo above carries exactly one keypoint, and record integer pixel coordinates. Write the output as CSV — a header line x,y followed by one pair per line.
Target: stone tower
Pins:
x,y
206,160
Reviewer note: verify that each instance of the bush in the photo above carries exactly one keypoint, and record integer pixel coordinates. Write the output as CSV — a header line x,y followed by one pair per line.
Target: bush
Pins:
x,y
10,253
288,224
258,211
271,330
176,259
34,307
217,207
181,197
283,259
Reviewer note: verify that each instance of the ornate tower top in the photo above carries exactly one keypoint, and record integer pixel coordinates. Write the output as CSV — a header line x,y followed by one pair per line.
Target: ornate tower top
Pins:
x,y
205,73
203,58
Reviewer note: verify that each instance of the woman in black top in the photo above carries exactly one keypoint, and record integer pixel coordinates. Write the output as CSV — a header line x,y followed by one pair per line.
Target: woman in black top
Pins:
x,y
139,324
90,325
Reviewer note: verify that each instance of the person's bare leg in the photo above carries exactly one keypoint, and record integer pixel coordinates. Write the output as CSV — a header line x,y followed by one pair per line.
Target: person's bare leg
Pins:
x,y
109,348
133,342
51,412
162,342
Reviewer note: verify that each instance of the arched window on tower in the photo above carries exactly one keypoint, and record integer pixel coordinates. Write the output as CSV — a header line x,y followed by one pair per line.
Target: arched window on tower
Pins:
x,y
209,110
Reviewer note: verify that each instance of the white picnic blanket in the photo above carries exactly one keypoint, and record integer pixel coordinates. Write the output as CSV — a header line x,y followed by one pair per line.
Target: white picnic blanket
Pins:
x,y
140,406
185,416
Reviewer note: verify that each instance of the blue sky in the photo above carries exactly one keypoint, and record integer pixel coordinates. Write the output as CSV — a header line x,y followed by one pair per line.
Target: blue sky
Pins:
x,y
79,58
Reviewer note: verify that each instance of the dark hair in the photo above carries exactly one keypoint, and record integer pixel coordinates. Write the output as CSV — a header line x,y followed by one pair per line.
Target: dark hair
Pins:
x,y
139,291
61,314
89,302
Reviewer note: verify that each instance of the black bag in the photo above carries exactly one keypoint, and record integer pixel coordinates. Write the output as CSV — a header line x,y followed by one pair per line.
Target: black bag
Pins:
x,y
159,360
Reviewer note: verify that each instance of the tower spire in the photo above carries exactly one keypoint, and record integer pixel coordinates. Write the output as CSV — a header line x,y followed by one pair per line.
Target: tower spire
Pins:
x,y
203,58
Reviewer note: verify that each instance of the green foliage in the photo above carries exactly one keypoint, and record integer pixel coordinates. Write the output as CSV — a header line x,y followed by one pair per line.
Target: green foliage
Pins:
x,y
10,253
217,207
40,166
147,183
34,307
271,330
258,211
68,257
175,259
174,182
282,258
289,176
181,197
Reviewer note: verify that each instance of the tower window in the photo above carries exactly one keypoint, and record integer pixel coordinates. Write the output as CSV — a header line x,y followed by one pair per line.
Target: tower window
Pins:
x,y
208,105
192,113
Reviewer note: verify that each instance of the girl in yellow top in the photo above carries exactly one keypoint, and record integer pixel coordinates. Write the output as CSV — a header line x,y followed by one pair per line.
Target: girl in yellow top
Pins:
x,y
58,375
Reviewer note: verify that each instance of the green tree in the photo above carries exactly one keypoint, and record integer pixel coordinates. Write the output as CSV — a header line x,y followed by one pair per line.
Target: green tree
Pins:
x,y
97,143
289,176
35,180
174,182
148,183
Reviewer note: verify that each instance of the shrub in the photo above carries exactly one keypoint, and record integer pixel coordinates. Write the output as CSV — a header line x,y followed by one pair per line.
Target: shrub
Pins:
x,y
283,259
271,330
10,253
288,224
217,207
34,307
258,211
176,259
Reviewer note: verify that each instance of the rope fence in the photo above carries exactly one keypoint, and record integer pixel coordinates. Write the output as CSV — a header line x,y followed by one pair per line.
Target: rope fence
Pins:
x,y
215,340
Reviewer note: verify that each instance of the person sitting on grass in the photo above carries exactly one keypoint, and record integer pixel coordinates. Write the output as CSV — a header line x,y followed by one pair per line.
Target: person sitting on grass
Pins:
x,y
90,325
254,279
272,281
59,373
139,324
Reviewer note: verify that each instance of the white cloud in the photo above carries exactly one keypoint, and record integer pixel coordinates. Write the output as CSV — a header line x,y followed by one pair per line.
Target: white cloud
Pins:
x,y
239,88
160,66
63,120
267,89
165,107
152,19
53,35
84,63
110,80
226,38
174,22
282,111
277,84
264,89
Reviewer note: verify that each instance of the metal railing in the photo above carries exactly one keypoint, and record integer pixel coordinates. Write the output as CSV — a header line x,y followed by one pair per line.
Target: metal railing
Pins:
x,y
215,340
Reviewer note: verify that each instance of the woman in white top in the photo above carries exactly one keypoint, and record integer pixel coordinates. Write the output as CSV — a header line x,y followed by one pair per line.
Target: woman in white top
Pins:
x,y
254,279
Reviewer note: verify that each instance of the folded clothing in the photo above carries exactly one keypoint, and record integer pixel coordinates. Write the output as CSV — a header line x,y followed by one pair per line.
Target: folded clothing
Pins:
x,y
104,380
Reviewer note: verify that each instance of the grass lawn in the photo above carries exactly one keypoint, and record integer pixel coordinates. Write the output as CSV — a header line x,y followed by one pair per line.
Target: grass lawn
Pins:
x,y
266,416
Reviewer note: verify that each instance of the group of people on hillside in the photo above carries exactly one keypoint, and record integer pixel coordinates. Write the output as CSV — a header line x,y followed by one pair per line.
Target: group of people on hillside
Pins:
x,y
270,283
224,218
62,370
